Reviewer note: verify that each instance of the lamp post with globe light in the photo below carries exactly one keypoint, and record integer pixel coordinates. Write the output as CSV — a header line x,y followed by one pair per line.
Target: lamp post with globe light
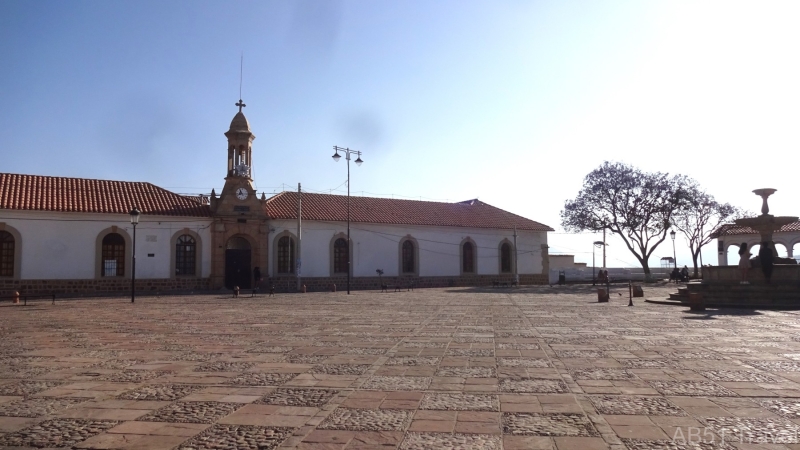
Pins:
x,y
134,221
674,257
347,152
597,244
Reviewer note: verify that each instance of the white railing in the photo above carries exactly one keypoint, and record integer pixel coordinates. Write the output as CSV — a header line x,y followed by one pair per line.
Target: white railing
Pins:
x,y
615,274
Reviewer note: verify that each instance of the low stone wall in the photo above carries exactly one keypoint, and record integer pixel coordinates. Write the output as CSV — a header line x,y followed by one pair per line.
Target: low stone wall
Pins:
x,y
110,286
776,295
732,274
720,288
114,286
317,284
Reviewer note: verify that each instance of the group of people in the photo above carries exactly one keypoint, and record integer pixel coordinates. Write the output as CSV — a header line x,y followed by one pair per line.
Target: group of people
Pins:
x,y
602,277
679,275
766,258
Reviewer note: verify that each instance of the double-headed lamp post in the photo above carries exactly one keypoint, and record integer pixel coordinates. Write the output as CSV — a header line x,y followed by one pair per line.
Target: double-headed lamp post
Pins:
x,y
347,152
134,221
674,257
597,244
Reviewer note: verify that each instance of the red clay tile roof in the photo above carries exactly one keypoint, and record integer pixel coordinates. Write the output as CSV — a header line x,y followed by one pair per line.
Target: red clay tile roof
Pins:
x,y
731,229
471,213
39,193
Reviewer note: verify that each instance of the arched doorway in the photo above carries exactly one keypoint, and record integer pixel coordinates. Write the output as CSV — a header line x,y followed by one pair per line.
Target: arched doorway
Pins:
x,y
237,263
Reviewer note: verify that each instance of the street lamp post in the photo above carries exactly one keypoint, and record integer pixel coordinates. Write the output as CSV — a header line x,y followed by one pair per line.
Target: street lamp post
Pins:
x,y
597,244
674,257
134,221
358,161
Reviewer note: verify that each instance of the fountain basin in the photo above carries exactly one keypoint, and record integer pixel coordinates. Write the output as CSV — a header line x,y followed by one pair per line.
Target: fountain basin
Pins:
x,y
766,222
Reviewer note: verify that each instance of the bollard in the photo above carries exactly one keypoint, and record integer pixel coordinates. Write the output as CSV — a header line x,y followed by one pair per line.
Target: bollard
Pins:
x,y
637,291
333,287
602,295
16,297
630,293
304,289
696,302
235,291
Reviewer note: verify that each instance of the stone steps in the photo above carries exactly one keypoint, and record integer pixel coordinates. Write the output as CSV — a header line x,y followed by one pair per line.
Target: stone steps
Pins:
x,y
682,295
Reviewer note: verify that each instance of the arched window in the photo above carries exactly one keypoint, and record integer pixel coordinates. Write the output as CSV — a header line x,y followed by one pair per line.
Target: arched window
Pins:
x,y
505,257
340,256
6,254
113,256
408,264
285,255
468,257
185,255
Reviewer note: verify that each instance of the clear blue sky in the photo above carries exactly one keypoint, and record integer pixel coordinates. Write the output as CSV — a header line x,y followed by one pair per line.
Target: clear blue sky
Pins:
x,y
509,101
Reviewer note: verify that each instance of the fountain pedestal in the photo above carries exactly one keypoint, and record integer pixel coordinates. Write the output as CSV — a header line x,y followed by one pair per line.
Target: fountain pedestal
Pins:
x,y
766,224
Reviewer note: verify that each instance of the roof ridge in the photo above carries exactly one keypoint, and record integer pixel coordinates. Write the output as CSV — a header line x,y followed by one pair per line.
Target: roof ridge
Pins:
x,y
329,207
77,178
375,198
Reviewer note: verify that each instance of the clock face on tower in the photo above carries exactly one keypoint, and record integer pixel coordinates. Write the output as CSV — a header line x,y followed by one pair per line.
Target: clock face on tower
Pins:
x,y
241,193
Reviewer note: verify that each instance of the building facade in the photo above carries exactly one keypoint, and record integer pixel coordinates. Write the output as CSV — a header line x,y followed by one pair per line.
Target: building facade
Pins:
x,y
73,236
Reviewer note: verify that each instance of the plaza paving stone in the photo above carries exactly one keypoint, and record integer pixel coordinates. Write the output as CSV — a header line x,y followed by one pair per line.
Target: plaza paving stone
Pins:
x,y
462,368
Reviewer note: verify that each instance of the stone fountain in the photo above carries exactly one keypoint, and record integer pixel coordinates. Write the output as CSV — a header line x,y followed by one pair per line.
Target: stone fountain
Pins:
x,y
721,288
766,223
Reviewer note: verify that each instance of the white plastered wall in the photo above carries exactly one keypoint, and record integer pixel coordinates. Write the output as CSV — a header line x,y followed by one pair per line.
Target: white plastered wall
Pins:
x,y
562,262
63,245
376,246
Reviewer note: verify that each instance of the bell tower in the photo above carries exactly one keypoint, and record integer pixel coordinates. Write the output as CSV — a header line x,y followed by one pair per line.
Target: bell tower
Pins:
x,y
240,145
240,233
238,196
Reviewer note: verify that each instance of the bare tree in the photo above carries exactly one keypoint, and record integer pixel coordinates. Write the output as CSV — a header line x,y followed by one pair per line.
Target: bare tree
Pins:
x,y
699,220
638,206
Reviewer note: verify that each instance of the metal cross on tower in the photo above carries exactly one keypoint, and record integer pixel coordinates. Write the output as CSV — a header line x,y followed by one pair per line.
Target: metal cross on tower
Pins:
x,y
240,105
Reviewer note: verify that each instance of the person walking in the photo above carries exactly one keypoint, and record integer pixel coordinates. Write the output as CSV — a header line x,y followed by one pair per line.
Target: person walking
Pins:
x,y
767,257
257,277
744,262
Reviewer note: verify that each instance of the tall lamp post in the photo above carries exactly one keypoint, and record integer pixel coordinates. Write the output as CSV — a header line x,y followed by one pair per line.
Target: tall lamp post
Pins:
x,y
597,244
347,152
674,258
134,221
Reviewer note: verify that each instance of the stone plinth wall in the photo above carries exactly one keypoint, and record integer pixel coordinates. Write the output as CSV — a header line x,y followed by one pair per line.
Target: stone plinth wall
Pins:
x,y
109,286
779,295
732,274
113,286
317,284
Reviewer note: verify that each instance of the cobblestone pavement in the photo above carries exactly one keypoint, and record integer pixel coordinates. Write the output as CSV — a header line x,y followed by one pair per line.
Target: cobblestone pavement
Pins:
x,y
526,368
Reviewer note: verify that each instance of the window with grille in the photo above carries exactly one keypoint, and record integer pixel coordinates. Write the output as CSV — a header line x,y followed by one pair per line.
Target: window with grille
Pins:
x,y
408,257
468,258
505,258
286,255
113,256
341,256
6,254
185,255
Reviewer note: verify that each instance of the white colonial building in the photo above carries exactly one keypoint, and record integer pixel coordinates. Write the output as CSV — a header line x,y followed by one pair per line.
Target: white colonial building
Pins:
x,y
70,235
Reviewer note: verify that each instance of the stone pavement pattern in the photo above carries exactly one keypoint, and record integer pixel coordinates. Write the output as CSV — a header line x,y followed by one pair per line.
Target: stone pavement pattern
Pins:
x,y
527,368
